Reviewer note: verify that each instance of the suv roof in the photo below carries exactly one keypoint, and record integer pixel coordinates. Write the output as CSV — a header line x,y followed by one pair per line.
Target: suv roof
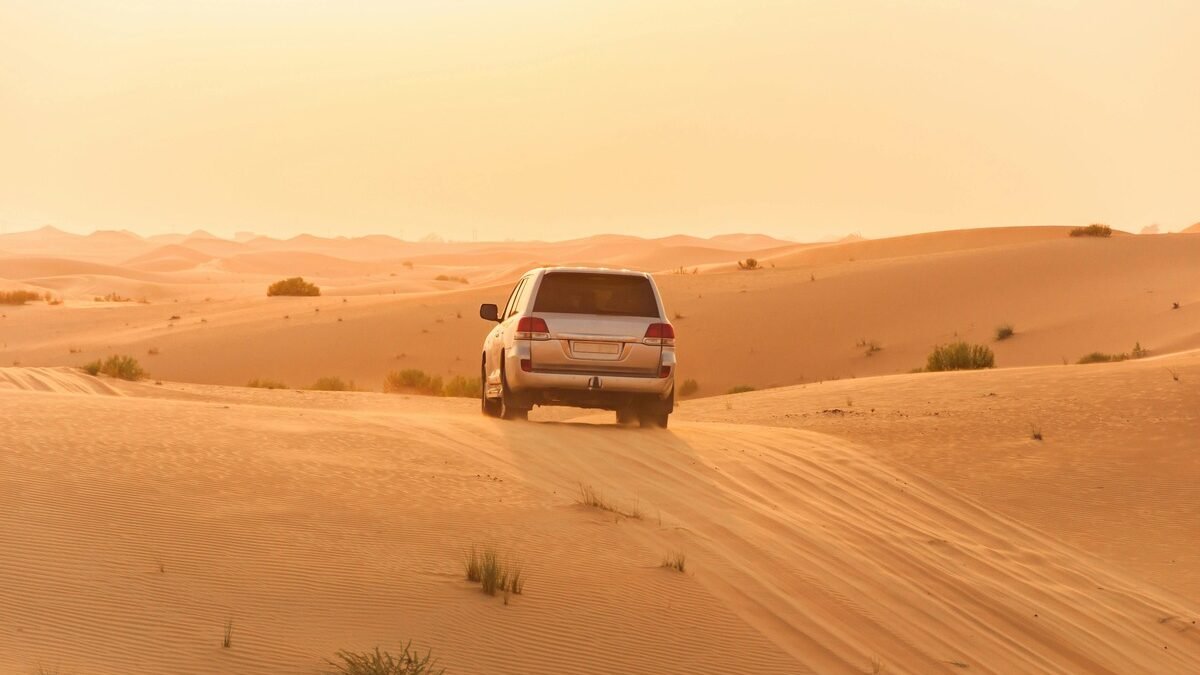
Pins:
x,y
592,270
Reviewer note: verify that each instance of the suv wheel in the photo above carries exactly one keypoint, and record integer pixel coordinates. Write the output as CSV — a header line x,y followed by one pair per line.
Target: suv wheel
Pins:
x,y
510,409
490,406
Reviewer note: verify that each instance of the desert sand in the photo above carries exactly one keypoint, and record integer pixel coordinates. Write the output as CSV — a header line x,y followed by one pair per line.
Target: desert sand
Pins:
x,y
850,516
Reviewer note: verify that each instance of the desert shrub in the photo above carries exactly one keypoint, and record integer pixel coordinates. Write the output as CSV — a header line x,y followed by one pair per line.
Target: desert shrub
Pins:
x,y
412,380
119,366
296,286
462,387
675,561
590,496
1101,357
740,389
960,356
331,384
447,277
111,297
749,264
1095,230
263,383
1004,331
493,574
378,662
689,387
18,297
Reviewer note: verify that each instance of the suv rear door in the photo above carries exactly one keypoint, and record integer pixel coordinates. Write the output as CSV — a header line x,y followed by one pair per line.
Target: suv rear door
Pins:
x,y
597,322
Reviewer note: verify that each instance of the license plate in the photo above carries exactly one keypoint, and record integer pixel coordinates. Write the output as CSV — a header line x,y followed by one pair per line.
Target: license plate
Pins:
x,y
596,347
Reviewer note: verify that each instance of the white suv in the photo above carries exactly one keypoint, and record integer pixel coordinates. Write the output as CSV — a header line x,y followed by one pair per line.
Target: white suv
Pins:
x,y
583,337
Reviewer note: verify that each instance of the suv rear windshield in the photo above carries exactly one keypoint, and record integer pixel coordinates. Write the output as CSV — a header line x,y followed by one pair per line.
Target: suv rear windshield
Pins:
x,y
607,294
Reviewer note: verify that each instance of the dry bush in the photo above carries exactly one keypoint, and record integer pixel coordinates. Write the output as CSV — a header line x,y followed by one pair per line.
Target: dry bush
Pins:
x,y
960,356
493,574
412,380
294,286
689,387
447,277
1004,331
675,561
749,264
331,384
263,383
378,662
462,387
741,389
111,297
1101,357
18,297
1095,230
119,366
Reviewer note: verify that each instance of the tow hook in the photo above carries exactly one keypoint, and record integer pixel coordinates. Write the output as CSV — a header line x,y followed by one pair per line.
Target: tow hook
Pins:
x,y
593,383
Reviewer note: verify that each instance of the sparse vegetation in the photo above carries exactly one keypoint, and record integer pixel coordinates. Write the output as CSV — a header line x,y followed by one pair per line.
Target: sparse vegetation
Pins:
x,y
1035,432
493,574
379,662
1138,352
122,367
749,264
589,496
227,640
415,381
262,383
675,561
1004,331
960,356
1174,305
18,297
153,351
869,346
331,384
1094,230
111,297
689,387
447,277
741,389
294,286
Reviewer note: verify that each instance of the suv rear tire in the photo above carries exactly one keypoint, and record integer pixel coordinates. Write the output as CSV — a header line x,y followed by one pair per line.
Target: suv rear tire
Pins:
x,y
491,407
510,407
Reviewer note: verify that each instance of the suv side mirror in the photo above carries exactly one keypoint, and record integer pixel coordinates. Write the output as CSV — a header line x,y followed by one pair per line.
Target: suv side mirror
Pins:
x,y
489,312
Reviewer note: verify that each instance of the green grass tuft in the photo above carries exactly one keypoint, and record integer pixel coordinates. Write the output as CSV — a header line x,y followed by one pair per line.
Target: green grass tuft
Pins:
x,y
675,561
331,384
119,366
493,574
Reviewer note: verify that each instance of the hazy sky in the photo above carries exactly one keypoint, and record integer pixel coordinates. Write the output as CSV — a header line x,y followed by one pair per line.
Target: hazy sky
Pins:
x,y
538,119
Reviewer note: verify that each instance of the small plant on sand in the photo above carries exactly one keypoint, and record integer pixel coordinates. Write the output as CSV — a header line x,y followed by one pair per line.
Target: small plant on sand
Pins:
x,y
689,387
153,351
493,574
749,264
1174,305
1004,331
740,389
1095,230
122,367
331,384
263,383
295,286
111,297
1035,432
227,640
448,277
406,662
960,356
674,561
1174,375
589,496
869,346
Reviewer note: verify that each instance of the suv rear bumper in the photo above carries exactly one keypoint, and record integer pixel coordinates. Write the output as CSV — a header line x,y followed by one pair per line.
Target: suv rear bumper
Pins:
x,y
576,385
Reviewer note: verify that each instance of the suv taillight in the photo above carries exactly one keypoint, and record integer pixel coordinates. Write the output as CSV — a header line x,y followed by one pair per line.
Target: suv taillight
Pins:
x,y
532,328
660,334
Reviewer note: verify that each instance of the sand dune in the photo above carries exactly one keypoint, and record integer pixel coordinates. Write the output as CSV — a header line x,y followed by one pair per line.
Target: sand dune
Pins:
x,y
907,522
316,522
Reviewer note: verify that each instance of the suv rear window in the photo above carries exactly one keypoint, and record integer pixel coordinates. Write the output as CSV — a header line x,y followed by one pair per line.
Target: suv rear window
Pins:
x,y
607,294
